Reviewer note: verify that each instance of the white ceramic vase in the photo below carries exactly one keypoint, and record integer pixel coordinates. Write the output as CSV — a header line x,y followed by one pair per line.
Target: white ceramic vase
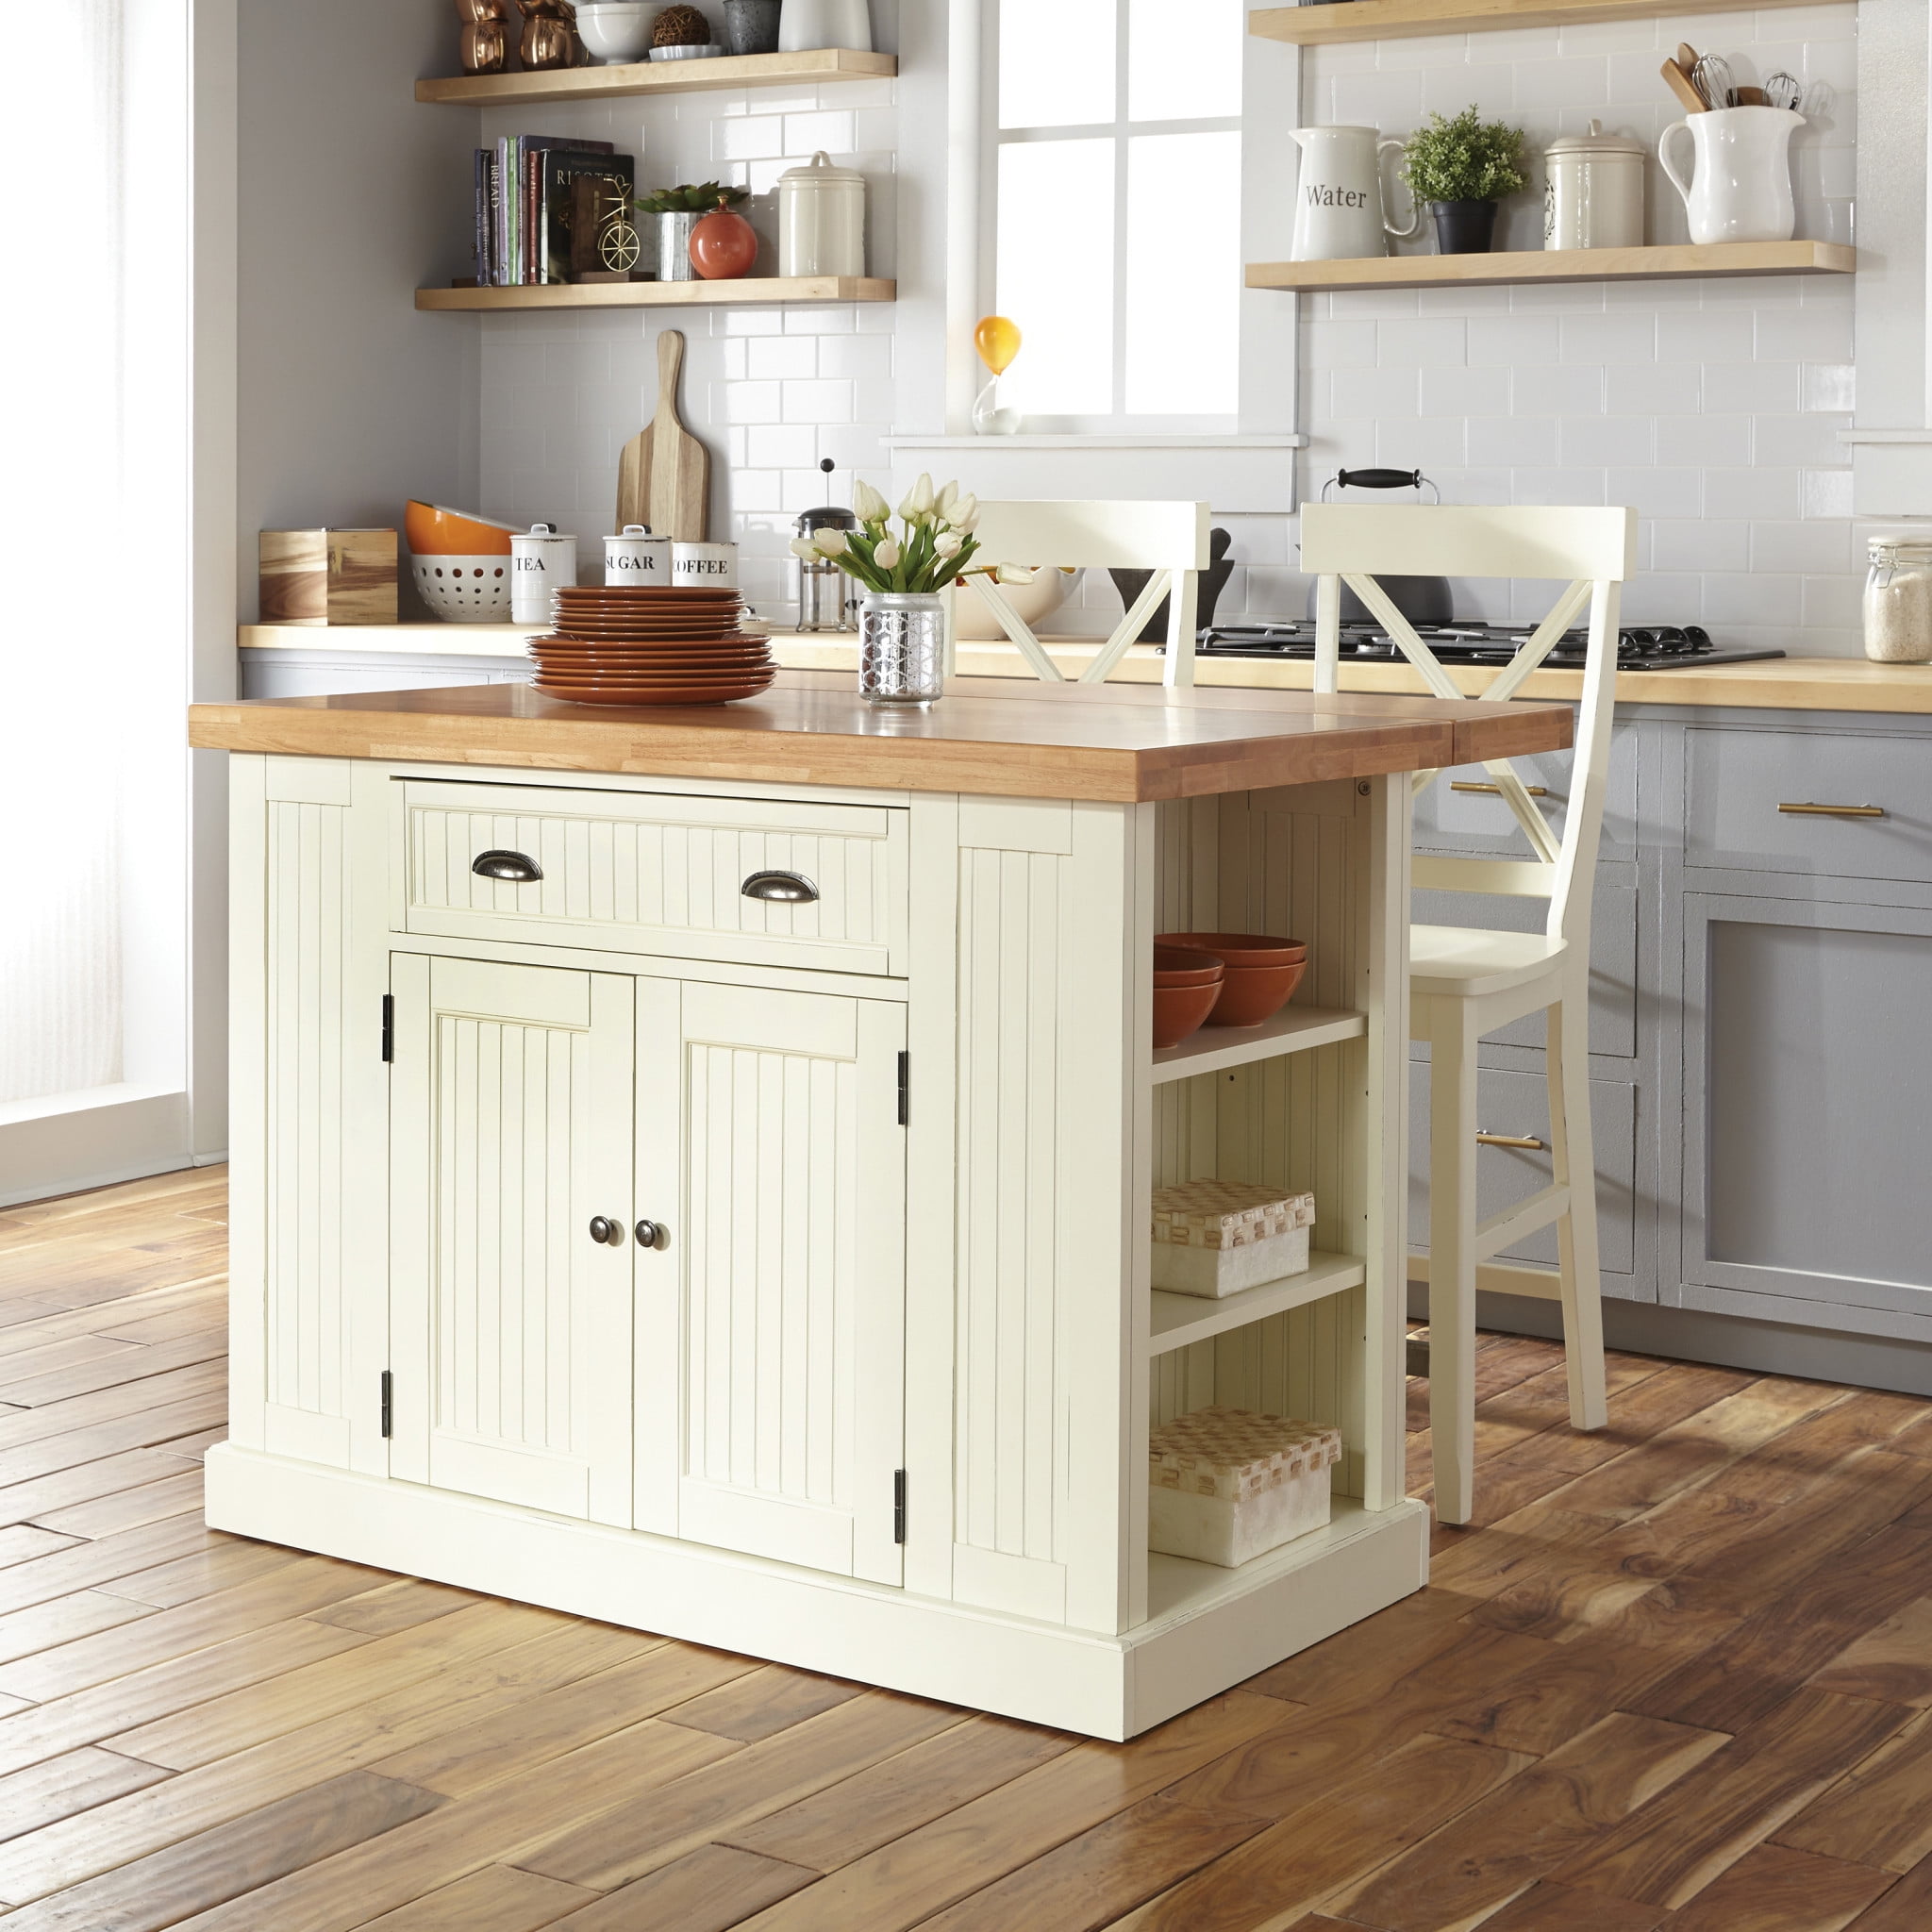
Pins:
x,y
1741,186
1337,195
806,25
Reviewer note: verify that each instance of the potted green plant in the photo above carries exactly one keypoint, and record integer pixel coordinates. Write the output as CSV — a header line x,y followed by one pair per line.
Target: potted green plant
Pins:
x,y
1462,167
677,211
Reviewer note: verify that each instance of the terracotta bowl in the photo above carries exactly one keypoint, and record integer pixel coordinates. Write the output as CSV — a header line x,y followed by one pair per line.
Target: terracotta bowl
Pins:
x,y
1178,1010
1260,974
1190,966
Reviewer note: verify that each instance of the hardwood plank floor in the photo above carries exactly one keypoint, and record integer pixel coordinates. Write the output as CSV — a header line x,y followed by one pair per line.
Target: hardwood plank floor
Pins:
x,y
1676,1678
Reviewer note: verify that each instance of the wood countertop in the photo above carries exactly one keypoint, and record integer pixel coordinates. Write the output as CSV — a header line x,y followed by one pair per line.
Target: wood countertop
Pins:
x,y
1778,684
1119,744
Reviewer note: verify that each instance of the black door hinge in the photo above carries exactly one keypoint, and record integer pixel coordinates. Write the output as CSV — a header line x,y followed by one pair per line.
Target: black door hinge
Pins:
x,y
905,1086
898,1506
389,1026
389,1404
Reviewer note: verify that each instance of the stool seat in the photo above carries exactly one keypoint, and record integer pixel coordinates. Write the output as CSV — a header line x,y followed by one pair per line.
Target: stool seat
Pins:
x,y
1463,962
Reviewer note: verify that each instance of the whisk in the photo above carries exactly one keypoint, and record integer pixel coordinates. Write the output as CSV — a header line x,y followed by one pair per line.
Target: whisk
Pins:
x,y
1711,78
1783,90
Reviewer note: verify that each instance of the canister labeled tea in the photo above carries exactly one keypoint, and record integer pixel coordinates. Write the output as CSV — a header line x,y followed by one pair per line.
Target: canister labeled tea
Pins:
x,y
539,562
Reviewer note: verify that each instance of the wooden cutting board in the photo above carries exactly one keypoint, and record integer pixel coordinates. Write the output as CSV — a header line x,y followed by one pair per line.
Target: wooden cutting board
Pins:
x,y
664,472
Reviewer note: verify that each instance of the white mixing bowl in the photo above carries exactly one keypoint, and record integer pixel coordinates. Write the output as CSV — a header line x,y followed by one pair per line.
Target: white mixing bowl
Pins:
x,y
617,31
975,624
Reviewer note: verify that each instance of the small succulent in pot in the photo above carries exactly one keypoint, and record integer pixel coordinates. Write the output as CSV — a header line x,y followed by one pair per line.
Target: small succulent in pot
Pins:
x,y
1462,167
688,199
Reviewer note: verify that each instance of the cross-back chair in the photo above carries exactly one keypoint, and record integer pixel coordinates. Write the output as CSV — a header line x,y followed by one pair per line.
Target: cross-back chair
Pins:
x,y
1467,982
1169,538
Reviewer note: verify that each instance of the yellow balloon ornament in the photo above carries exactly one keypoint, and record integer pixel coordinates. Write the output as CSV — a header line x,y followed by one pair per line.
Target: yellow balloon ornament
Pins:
x,y
997,338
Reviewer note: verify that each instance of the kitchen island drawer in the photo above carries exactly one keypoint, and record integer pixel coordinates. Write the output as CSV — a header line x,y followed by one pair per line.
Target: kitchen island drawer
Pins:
x,y
1809,801
653,872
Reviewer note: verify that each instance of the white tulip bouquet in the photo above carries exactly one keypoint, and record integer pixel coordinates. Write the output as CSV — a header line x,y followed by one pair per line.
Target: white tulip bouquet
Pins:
x,y
935,545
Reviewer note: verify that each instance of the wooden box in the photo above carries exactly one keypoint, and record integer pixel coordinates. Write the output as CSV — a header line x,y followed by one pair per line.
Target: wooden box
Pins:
x,y
1225,1484
328,576
1216,1238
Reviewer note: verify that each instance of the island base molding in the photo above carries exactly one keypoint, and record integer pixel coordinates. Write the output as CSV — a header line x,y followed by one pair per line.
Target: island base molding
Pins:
x,y
1075,1680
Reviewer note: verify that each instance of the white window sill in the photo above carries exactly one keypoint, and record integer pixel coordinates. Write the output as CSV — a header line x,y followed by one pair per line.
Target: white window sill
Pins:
x,y
1286,439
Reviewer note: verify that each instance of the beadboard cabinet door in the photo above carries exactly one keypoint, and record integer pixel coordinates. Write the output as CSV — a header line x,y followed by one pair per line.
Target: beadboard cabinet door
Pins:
x,y
510,1326
771,1320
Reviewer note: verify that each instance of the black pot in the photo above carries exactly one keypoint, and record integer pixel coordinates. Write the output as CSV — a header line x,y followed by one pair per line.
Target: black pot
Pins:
x,y
1130,583
751,27
1464,228
1421,600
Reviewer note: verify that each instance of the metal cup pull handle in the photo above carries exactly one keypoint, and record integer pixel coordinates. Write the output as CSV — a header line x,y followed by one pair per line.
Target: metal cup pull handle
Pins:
x,y
516,868
782,888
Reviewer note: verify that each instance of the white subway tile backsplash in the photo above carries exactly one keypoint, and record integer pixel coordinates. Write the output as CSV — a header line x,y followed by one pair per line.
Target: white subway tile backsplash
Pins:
x,y
1712,544
818,401
771,359
1606,439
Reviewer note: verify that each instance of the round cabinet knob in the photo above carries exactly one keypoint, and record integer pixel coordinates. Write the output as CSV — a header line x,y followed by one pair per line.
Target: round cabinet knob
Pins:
x,y
653,1234
610,1233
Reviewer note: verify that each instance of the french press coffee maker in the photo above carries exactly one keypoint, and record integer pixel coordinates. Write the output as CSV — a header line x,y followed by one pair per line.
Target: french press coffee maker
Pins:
x,y
824,589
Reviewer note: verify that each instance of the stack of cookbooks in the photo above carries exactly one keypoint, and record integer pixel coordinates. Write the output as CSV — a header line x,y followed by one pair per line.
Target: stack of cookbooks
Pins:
x,y
552,209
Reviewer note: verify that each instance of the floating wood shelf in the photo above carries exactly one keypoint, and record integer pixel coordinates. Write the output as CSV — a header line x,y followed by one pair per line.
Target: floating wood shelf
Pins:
x,y
1667,263
743,293
1295,1029
1178,1321
1406,20
551,87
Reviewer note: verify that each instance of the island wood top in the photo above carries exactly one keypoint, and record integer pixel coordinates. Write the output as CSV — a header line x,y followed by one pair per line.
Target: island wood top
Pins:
x,y
1119,743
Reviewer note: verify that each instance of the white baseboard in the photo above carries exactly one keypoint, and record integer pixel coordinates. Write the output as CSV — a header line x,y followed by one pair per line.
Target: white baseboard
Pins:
x,y
1076,1681
75,1148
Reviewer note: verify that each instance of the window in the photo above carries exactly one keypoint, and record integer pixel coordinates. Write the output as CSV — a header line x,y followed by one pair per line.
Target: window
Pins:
x,y
1115,182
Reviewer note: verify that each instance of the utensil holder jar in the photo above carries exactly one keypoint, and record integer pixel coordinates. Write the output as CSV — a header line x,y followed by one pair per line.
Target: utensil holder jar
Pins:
x,y
902,647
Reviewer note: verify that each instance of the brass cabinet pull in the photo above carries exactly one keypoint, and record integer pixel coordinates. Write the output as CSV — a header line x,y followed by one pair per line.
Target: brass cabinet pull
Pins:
x,y
1836,811
1477,785
1530,1141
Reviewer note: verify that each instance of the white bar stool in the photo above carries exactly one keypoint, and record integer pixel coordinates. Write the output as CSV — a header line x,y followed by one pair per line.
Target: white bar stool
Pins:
x,y
1168,538
1467,982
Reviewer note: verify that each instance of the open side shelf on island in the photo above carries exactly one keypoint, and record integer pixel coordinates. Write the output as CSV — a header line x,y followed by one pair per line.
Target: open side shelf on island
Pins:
x,y
1295,1029
1177,1320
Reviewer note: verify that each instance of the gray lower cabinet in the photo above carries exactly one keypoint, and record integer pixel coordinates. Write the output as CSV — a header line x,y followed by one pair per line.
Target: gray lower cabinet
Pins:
x,y
1807,1065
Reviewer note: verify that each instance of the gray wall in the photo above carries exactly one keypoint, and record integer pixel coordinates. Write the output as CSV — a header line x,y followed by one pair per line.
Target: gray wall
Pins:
x,y
350,195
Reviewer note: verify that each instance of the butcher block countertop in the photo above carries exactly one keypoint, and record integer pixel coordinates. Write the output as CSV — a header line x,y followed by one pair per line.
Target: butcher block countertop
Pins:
x,y
1119,743
1776,684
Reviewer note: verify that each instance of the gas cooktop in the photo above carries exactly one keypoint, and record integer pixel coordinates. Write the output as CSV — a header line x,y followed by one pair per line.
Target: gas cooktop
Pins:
x,y
1640,646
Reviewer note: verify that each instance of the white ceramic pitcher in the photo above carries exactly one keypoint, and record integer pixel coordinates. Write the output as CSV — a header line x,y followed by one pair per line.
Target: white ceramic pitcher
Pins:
x,y
1337,197
1742,189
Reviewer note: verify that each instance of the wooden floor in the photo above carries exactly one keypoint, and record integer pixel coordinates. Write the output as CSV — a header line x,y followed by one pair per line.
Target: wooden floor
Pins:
x,y
1679,1676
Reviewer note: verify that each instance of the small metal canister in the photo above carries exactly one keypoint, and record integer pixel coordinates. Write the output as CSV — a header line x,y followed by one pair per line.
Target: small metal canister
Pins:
x,y
824,591
1594,193
539,563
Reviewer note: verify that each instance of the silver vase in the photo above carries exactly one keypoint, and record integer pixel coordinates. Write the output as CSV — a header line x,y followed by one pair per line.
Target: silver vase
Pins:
x,y
902,647
674,247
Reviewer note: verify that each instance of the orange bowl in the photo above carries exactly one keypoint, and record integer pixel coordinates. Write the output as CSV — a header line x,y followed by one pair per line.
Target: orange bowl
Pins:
x,y
433,531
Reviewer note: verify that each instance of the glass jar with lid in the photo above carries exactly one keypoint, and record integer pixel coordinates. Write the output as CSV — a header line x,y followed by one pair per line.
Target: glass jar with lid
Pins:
x,y
1898,600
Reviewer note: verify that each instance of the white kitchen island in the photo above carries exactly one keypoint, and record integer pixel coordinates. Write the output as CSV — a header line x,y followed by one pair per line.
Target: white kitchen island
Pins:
x,y
772,1272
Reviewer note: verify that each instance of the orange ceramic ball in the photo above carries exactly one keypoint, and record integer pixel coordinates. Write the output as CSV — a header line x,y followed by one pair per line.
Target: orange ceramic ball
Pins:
x,y
724,247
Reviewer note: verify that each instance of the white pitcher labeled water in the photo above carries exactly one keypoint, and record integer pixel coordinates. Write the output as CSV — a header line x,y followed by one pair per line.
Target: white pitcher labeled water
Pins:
x,y
1337,195
1741,187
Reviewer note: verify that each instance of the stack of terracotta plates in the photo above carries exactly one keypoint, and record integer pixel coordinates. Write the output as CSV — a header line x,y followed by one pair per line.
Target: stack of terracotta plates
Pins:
x,y
625,646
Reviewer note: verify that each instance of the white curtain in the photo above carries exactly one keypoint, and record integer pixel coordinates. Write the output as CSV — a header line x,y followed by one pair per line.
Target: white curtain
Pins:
x,y
69,602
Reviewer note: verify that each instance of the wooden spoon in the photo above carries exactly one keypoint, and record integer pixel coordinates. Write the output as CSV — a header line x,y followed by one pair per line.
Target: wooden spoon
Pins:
x,y
1681,85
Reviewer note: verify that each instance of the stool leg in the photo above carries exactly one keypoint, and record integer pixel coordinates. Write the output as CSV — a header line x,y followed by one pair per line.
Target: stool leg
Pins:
x,y
1573,1159
1452,1259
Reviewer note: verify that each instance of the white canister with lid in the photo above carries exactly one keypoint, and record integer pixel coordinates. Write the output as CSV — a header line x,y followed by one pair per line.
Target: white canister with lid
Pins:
x,y
539,563
821,220
1593,196
1898,600
806,25
638,560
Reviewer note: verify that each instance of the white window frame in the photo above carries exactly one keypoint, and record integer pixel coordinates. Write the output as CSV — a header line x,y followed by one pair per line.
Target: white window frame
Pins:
x,y
1267,392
